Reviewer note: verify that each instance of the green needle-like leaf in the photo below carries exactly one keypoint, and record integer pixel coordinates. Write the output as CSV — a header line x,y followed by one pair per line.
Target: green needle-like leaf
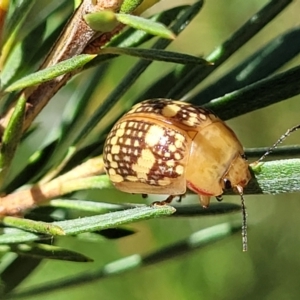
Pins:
x,y
239,38
257,95
17,271
146,25
133,38
51,72
15,235
114,219
85,224
257,66
96,207
195,241
11,137
156,54
274,177
44,251
33,226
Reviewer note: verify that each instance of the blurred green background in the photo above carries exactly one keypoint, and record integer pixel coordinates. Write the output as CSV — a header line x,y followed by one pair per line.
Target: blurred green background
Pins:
x,y
271,267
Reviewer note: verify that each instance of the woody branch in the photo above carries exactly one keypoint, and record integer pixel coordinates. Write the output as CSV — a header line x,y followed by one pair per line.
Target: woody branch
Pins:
x,y
74,40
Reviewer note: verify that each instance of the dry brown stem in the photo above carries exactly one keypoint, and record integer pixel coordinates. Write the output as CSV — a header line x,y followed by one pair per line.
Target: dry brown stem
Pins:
x,y
73,40
17,203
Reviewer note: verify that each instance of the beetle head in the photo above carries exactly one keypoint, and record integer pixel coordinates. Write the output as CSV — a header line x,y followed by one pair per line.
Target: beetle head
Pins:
x,y
238,174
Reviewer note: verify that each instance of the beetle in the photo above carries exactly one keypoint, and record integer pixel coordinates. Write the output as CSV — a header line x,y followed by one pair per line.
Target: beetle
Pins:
x,y
165,146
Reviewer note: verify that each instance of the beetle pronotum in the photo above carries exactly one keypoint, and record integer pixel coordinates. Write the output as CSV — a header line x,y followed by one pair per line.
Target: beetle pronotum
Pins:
x,y
166,147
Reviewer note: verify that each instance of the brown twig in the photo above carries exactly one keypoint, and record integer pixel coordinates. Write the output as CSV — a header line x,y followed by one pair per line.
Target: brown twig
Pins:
x,y
73,40
17,203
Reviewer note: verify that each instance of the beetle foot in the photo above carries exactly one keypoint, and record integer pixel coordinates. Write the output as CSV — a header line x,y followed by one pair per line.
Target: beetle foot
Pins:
x,y
180,198
164,202
219,198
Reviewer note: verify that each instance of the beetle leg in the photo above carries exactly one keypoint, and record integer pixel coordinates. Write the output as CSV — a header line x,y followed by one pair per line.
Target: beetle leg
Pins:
x,y
219,198
204,200
179,199
164,202
168,200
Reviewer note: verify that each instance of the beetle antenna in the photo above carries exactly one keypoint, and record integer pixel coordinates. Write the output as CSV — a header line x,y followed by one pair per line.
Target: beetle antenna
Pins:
x,y
244,221
279,141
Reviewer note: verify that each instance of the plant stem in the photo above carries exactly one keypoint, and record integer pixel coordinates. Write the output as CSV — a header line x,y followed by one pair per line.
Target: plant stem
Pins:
x,y
272,177
74,39
79,178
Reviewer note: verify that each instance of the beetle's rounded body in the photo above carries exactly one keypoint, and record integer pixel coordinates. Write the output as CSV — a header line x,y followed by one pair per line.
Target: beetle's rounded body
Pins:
x,y
164,147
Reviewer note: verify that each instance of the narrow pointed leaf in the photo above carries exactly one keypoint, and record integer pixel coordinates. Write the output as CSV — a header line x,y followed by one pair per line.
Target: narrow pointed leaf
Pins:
x,y
157,55
230,46
17,271
113,219
274,177
11,137
260,94
33,226
87,224
51,72
257,66
20,268
15,235
44,251
146,25
82,205
195,241
133,38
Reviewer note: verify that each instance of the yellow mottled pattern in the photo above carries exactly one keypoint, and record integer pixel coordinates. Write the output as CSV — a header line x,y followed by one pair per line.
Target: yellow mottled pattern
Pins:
x,y
145,162
150,145
153,135
170,110
120,132
115,149
179,169
116,178
203,117
164,181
